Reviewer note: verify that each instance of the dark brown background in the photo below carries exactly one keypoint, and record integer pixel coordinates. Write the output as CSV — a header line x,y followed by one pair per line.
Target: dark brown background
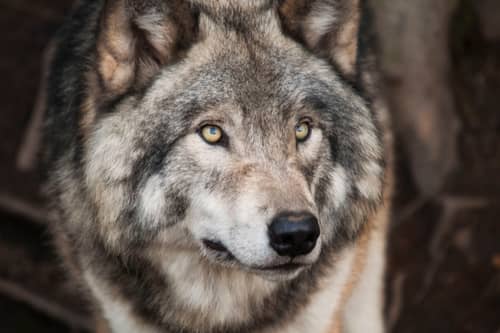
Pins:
x,y
441,66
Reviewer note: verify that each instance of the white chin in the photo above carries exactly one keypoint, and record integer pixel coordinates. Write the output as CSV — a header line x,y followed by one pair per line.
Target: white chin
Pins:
x,y
277,275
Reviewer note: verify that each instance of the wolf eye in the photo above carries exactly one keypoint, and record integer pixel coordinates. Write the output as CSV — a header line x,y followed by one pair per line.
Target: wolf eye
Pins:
x,y
302,131
211,134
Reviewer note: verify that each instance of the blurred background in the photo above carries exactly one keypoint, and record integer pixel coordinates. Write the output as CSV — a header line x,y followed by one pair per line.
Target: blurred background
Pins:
x,y
440,63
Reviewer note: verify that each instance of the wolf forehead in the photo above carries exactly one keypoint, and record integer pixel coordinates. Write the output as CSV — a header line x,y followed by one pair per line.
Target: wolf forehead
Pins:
x,y
266,88
256,83
266,95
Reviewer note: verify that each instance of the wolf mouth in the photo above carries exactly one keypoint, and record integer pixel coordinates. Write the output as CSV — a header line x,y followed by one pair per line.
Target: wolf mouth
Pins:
x,y
288,267
216,246
220,249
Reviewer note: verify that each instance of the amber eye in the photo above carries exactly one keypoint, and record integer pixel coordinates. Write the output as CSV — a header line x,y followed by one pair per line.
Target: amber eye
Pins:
x,y
302,131
211,134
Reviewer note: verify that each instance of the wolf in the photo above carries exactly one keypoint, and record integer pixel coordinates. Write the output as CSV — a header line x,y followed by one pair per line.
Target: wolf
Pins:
x,y
218,166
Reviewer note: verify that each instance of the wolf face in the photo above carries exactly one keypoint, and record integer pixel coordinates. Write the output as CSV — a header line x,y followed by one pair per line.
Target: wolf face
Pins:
x,y
210,157
262,196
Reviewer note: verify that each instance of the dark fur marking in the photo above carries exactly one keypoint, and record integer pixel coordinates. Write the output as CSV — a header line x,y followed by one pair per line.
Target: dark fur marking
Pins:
x,y
321,197
61,80
308,171
178,205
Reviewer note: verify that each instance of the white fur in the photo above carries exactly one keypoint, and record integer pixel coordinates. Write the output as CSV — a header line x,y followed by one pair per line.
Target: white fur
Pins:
x,y
320,22
207,157
225,294
109,160
318,316
240,225
370,185
118,313
241,228
310,149
152,202
368,140
339,186
109,153
366,302
153,22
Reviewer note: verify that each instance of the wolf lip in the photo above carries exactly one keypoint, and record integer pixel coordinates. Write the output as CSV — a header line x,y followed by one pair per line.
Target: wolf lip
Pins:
x,y
285,267
215,246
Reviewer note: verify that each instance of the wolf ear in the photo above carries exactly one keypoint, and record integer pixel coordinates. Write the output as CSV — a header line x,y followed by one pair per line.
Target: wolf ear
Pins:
x,y
137,38
329,28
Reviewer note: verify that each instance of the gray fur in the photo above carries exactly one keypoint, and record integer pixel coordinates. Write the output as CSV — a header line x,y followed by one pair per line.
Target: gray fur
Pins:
x,y
136,190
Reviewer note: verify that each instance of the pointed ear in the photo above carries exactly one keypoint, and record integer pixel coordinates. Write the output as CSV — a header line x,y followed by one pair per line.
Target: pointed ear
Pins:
x,y
328,28
137,37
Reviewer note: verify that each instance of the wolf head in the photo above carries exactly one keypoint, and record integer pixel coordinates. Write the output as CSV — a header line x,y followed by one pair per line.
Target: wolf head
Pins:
x,y
230,130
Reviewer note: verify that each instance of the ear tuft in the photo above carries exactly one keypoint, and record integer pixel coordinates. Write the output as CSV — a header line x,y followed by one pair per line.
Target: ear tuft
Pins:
x,y
137,38
328,28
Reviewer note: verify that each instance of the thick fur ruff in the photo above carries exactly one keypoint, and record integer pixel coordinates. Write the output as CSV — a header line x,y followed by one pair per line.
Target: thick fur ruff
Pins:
x,y
168,232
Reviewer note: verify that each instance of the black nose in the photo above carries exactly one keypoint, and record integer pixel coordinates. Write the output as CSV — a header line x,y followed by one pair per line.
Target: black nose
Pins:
x,y
294,234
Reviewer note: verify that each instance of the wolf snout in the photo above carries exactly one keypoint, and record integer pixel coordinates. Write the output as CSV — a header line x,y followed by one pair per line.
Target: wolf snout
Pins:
x,y
294,234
